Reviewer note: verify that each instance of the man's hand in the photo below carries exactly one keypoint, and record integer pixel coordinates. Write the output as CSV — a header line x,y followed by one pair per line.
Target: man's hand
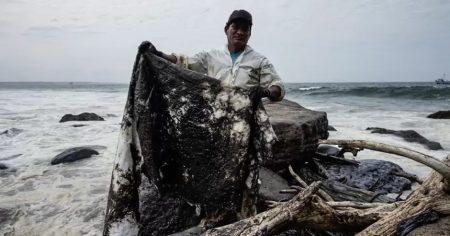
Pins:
x,y
273,92
146,46
259,92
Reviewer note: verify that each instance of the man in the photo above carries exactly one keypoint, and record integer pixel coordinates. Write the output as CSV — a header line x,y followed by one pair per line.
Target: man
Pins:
x,y
237,64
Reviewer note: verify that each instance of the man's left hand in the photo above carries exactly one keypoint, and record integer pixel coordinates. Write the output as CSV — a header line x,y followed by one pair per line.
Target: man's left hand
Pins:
x,y
259,92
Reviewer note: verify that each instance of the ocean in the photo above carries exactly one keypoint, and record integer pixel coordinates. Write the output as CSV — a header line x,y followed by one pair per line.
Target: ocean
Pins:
x,y
37,198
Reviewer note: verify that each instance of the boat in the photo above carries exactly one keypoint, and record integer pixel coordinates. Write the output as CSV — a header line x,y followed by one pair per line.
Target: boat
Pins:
x,y
442,80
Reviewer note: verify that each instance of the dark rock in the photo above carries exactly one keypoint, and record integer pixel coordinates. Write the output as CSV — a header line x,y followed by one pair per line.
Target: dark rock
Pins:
x,y
79,125
440,115
298,130
408,135
111,115
73,154
271,184
331,128
11,132
82,117
3,166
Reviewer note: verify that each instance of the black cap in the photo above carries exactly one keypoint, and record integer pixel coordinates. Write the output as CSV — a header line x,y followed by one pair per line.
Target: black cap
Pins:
x,y
240,15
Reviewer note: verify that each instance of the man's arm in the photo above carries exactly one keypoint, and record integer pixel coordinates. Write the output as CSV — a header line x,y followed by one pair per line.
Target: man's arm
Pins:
x,y
271,81
147,46
196,63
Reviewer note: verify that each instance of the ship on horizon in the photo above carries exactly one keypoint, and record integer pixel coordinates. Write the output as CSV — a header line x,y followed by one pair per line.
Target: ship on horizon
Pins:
x,y
442,80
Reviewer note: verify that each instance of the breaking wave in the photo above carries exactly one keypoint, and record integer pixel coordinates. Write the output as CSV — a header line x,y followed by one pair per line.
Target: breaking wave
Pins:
x,y
406,92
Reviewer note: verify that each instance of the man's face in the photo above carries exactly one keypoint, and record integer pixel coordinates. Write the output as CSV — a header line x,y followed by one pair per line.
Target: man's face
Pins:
x,y
238,34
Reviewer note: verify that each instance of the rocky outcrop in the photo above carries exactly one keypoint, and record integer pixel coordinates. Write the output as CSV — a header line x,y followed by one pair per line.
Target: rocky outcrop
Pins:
x,y
408,135
440,115
81,117
298,129
74,154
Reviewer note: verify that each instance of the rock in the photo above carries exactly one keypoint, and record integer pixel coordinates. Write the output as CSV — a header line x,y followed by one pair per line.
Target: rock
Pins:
x,y
3,166
408,135
111,115
440,115
298,130
73,154
81,117
11,132
331,128
79,125
271,184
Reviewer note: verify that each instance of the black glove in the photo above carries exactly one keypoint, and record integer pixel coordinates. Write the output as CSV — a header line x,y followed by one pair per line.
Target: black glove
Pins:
x,y
146,46
259,92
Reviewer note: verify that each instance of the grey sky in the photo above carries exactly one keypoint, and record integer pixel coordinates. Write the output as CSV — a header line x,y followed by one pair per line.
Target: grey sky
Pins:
x,y
307,41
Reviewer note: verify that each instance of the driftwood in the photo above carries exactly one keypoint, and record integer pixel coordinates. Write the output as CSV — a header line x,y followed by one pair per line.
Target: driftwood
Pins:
x,y
307,210
321,193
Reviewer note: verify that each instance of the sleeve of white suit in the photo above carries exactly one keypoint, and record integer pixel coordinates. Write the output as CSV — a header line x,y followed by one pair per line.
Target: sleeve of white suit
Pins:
x,y
197,63
269,77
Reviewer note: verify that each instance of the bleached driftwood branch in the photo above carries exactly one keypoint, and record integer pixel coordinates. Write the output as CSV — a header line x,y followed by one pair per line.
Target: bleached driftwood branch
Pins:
x,y
307,210
321,193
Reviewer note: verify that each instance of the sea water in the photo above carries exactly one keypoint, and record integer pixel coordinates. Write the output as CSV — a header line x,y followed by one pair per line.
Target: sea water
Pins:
x,y
37,198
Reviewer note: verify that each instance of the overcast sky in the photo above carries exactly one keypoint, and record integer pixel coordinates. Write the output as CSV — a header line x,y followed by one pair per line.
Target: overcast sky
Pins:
x,y
307,41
